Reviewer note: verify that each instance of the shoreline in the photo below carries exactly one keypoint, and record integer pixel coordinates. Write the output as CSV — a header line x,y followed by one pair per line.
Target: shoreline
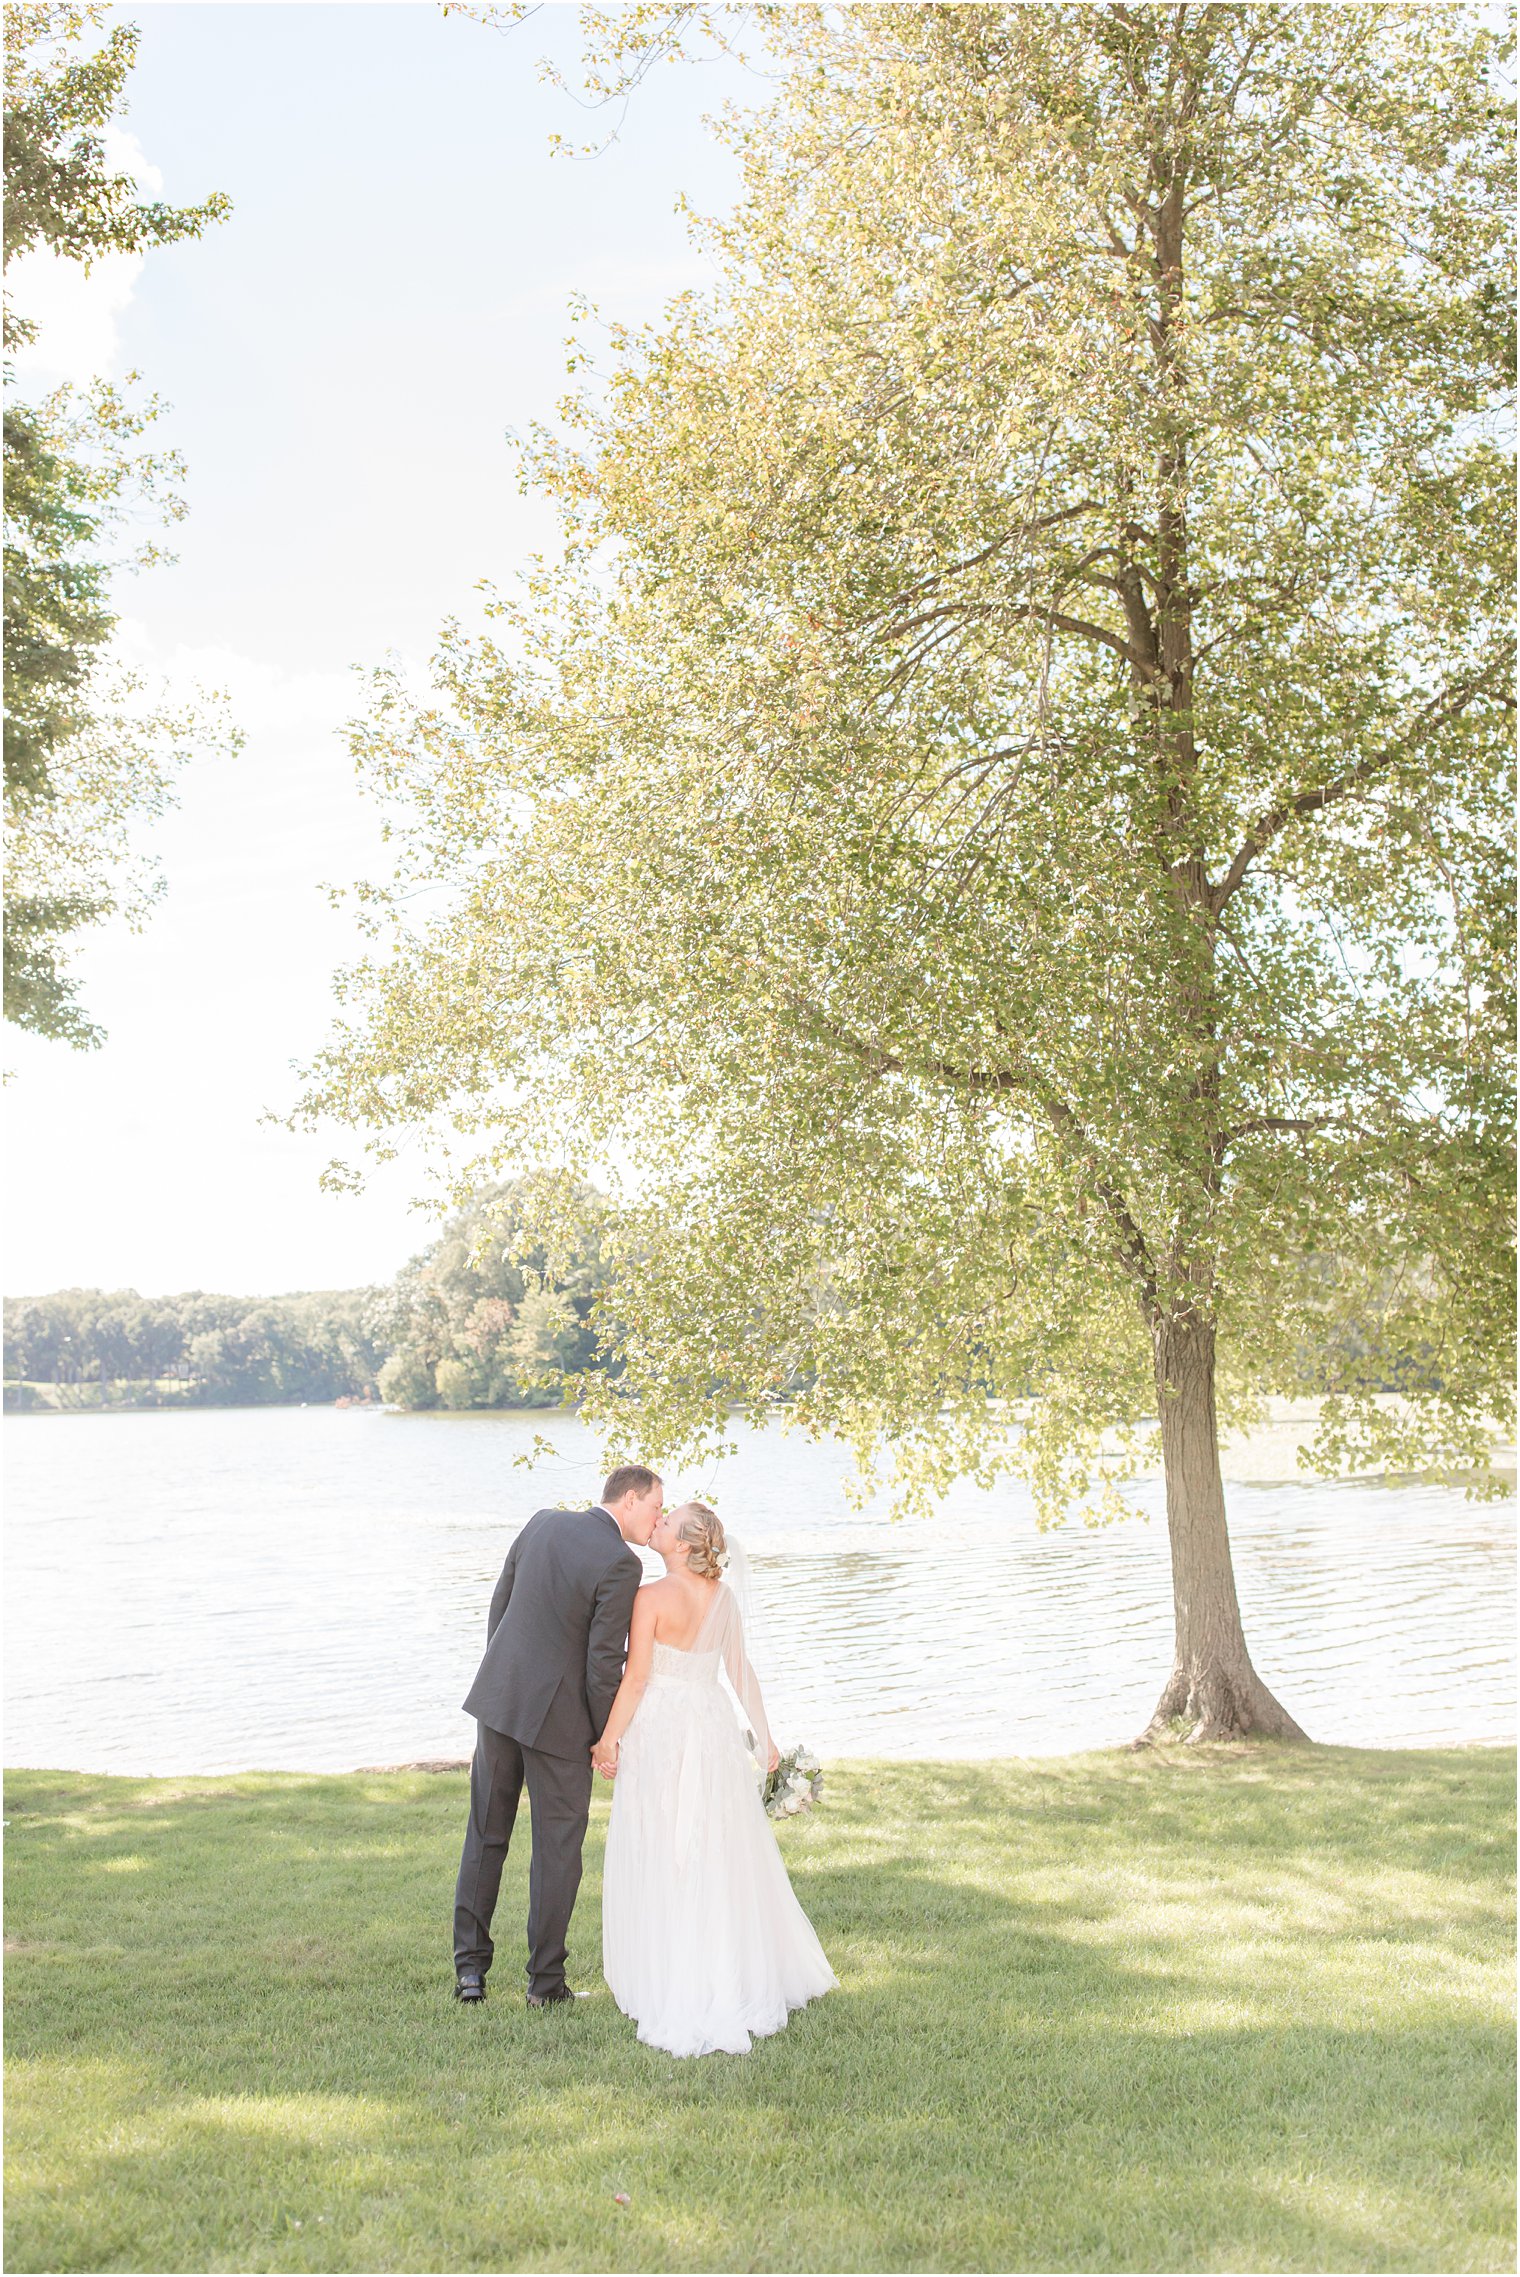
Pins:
x,y
439,1766
1265,1454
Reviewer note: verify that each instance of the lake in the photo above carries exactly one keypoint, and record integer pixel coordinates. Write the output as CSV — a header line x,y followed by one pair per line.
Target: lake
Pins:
x,y
306,1589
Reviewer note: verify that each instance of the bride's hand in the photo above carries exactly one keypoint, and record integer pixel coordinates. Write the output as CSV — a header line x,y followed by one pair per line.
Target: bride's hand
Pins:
x,y
775,1758
604,1759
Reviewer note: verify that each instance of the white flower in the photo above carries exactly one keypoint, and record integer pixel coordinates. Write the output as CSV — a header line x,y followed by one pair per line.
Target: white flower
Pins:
x,y
791,1806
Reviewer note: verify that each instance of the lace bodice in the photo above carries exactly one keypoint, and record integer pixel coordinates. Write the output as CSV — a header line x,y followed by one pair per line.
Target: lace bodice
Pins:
x,y
686,1667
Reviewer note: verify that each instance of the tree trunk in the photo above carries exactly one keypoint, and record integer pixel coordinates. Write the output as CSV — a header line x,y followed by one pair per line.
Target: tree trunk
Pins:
x,y
1212,1685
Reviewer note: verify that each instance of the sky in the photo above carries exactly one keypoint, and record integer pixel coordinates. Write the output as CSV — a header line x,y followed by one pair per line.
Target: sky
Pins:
x,y
343,358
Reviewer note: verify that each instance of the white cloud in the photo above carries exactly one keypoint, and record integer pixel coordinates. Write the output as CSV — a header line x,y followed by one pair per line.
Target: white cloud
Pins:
x,y
79,314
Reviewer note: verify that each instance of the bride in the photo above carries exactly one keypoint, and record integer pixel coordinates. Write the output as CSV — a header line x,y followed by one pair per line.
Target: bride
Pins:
x,y
703,1940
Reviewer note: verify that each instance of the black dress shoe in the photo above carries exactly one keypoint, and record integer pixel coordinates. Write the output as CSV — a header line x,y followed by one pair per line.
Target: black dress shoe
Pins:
x,y
469,1985
550,1999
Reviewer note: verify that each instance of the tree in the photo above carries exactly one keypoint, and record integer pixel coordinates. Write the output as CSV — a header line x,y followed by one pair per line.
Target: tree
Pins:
x,y
479,1320
86,756
1001,812
242,1350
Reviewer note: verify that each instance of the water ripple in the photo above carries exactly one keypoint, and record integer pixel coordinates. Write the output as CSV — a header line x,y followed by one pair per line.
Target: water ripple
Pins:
x,y
306,1589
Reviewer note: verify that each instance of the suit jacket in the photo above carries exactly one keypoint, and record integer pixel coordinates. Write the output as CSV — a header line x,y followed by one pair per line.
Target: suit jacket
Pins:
x,y
557,1633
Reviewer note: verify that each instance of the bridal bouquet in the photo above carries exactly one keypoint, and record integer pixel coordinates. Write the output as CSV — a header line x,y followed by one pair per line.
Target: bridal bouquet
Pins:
x,y
795,1784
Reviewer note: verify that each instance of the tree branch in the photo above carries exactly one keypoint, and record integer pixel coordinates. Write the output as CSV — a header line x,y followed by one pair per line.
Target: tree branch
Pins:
x,y
954,616
1436,713
1226,1139
924,585
1134,1255
1132,1250
884,1062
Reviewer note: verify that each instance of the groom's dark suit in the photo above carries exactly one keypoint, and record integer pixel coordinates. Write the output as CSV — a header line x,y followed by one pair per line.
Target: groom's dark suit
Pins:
x,y
556,1637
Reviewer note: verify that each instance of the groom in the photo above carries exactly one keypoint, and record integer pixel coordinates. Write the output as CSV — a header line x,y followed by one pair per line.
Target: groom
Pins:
x,y
556,1639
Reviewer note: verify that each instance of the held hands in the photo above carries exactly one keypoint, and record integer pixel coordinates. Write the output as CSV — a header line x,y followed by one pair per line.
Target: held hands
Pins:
x,y
604,1759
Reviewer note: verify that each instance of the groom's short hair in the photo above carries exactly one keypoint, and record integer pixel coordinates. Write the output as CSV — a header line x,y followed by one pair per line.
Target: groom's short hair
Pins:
x,y
628,1478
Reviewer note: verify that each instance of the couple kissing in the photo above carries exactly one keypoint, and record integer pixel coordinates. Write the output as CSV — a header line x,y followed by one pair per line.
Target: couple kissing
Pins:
x,y
587,1667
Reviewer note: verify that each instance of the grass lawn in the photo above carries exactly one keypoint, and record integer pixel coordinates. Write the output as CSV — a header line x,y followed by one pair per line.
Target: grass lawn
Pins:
x,y
1243,2010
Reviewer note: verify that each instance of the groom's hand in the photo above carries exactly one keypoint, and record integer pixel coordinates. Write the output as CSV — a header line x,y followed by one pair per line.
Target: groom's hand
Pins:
x,y
604,1759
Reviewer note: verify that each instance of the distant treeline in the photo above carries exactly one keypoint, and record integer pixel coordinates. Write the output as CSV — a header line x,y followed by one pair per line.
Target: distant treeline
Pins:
x,y
210,1350
463,1325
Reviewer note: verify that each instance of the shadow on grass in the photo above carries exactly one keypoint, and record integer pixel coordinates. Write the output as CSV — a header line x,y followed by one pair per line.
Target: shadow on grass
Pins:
x,y
1109,2013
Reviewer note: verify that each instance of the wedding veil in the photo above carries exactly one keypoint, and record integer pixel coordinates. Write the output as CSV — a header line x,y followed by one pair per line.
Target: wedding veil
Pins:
x,y
728,1629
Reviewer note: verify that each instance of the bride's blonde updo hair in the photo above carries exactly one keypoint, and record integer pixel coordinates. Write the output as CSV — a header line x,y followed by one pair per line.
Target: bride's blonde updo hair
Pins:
x,y
701,1529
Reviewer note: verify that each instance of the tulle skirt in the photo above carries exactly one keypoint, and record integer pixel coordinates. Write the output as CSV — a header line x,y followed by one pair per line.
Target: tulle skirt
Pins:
x,y
703,1941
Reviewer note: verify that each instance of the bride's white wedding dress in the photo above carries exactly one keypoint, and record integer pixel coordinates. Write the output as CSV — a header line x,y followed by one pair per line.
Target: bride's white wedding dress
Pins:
x,y
703,1941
